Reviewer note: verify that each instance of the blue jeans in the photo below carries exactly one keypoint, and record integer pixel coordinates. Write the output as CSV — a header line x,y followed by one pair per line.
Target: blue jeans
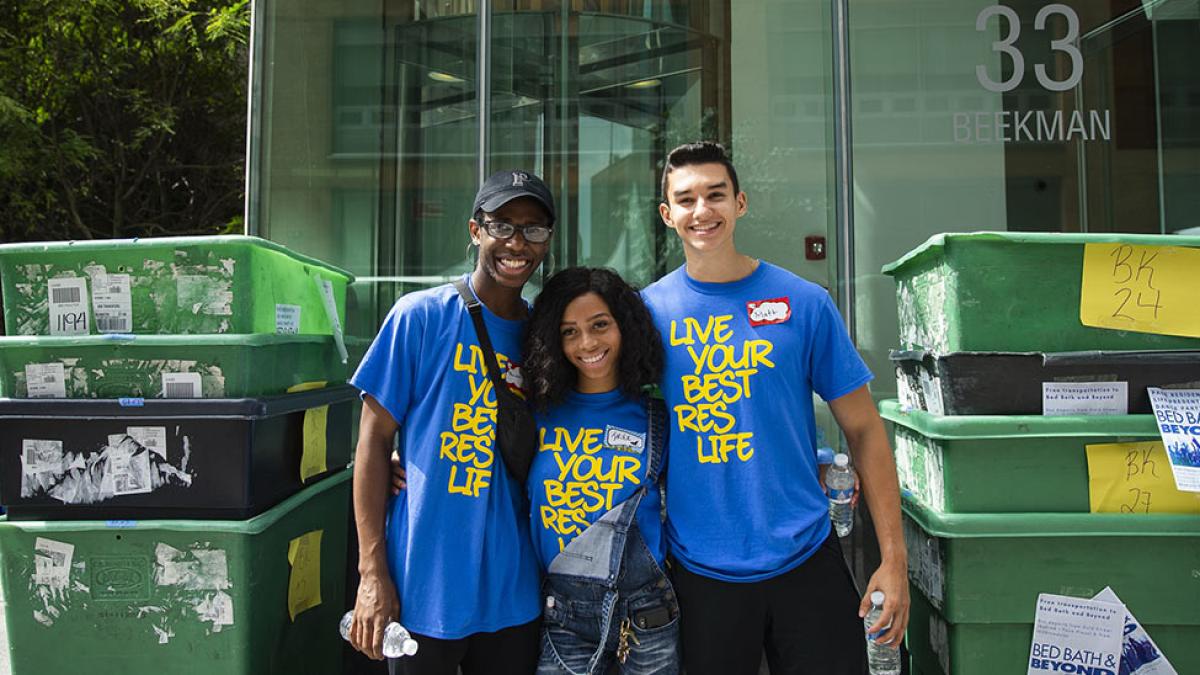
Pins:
x,y
575,639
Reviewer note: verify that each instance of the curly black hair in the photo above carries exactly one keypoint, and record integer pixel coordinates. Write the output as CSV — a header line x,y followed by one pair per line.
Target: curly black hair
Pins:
x,y
548,375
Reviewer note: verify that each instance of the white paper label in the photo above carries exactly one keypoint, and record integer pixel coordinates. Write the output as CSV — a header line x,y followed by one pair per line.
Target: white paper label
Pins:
x,y
287,319
1139,654
68,306
181,385
326,288
52,562
42,456
112,303
153,439
1068,629
129,467
1085,398
45,380
1177,414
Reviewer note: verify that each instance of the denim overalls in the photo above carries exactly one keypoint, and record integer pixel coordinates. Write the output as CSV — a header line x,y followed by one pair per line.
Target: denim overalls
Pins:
x,y
605,596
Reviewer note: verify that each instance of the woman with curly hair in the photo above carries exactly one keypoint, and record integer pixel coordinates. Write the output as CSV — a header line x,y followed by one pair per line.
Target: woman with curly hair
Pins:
x,y
592,351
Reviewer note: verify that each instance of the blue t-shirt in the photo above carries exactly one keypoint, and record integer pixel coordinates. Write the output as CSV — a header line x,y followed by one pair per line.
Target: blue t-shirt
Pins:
x,y
458,537
593,456
742,362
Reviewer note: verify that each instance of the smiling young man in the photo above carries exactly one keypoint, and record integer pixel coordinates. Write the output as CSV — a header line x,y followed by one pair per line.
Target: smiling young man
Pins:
x,y
747,343
450,557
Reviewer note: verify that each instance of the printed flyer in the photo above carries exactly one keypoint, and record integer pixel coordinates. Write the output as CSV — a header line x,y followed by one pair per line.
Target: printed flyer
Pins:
x,y
1139,654
1076,635
1177,413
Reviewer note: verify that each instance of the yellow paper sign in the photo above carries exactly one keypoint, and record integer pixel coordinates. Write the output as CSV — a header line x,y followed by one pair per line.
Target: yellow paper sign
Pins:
x,y
306,386
304,584
313,461
1135,478
1145,289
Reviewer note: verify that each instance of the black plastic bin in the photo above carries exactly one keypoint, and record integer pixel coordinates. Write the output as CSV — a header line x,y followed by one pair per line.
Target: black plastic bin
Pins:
x,y
134,459
1010,383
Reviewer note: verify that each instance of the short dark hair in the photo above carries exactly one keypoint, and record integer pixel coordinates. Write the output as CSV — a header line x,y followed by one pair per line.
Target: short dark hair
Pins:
x,y
703,152
548,375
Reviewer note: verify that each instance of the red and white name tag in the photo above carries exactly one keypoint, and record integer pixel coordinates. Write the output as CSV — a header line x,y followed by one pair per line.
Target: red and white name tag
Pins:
x,y
763,312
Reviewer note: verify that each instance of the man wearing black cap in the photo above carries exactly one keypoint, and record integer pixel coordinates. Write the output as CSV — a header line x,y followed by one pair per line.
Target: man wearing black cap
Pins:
x,y
450,557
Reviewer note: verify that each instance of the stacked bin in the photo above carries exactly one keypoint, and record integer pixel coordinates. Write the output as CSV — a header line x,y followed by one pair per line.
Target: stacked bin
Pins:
x,y
996,495
174,432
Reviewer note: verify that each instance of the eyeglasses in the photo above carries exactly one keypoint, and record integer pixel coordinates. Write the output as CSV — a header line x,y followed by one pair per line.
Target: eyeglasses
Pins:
x,y
534,234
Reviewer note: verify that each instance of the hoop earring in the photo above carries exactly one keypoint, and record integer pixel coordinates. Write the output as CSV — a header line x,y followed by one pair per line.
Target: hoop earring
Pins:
x,y
472,253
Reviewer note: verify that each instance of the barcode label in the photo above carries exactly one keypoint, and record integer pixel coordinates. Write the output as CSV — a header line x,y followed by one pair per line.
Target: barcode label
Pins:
x,y
181,385
64,295
112,303
45,380
112,324
68,306
42,456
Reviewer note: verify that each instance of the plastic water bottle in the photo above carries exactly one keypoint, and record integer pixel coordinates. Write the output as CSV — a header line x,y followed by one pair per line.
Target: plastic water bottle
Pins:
x,y
397,641
839,480
881,659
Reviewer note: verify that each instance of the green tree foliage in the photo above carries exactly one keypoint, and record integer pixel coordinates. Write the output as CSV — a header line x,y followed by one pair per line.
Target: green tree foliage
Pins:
x,y
121,118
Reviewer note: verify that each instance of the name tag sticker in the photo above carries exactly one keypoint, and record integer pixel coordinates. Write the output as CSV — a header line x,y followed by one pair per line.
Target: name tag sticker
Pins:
x,y
765,312
623,439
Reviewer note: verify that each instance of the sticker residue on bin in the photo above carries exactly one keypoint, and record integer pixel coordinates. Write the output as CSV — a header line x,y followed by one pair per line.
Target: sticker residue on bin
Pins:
x,y
203,294
287,319
201,576
304,584
314,460
939,640
50,583
1085,398
925,566
181,385
112,303
69,313
45,380
1135,478
124,465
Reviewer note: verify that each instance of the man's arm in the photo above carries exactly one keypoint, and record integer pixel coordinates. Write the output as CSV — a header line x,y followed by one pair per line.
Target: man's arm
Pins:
x,y
860,422
377,603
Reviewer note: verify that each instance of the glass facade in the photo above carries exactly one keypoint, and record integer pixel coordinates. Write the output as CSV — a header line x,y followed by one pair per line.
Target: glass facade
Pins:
x,y
860,128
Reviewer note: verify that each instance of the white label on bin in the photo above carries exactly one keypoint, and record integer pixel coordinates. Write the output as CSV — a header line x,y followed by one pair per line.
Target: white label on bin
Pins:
x,y
325,286
1085,398
52,562
181,385
112,303
128,465
42,456
931,387
45,380
68,306
153,439
287,319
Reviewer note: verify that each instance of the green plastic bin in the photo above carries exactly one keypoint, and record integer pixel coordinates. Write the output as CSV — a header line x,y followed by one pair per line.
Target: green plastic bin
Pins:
x,y
979,576
115,366
179,596
1003,463
169,285
1009,292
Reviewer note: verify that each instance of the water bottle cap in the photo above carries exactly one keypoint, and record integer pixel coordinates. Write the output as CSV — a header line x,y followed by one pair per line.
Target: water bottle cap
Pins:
x,y
877,598
841,460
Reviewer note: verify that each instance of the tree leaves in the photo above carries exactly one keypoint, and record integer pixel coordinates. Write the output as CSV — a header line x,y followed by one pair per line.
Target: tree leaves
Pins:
x,y
121,117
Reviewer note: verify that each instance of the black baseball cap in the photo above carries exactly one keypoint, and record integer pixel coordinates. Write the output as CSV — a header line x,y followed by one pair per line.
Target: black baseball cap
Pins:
x,y
504,186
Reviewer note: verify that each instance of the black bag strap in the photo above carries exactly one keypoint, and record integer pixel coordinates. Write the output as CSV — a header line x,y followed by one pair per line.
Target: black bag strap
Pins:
x,y
656,426
489,354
